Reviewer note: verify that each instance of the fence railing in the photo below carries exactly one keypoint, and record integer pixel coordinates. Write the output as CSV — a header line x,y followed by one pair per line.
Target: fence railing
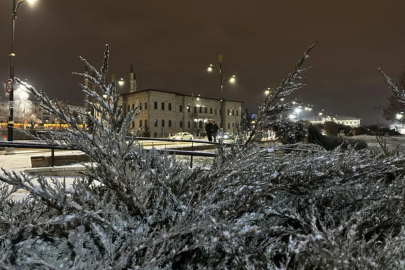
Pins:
x,y
192,153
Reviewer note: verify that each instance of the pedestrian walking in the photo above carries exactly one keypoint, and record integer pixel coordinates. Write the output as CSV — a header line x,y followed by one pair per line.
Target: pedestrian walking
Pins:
x,y
208,130
214,130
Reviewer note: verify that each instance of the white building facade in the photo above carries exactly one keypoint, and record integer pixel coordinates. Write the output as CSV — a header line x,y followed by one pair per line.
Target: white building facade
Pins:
x,y
166,113
344,120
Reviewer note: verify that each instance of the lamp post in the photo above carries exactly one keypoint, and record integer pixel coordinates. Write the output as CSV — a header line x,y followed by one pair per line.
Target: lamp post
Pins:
x,y
10,126
221,83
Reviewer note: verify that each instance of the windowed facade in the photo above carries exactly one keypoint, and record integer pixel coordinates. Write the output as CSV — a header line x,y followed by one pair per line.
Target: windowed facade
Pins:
x,y
170,123
181,124
206,110
163,123
155,122
163,106
210,110
181,108
170,106
146,105
155,105
140,123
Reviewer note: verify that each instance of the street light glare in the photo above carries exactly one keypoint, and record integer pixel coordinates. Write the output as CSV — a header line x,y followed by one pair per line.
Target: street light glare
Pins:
x,y
31,1
233,79
209,69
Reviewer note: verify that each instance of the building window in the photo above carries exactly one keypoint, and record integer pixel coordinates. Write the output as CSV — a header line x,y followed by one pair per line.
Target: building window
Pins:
x,y
237,113
140,123
229,113
188,108
189,124
155,105
233,112
229,125
220,111
146,123
195,124
133,106
200,109
181,124
206,110
210,110
133,124
170,123
146,105
155,122
163,123
200,124
140,106
170,106
181,108
163,106
195,109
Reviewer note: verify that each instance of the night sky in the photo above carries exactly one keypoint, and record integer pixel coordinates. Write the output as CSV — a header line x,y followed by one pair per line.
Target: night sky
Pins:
x,y
171,43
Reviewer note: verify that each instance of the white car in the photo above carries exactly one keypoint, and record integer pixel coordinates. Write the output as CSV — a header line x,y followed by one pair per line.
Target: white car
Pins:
x,y
225,136
182,136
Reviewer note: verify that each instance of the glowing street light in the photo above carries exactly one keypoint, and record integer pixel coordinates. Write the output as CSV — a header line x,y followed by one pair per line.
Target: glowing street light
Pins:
x,y
400,115
10,125
121,82
221,81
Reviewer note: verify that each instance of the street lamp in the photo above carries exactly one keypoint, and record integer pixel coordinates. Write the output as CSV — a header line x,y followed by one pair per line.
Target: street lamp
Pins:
x,y
10,126
121,82
221,81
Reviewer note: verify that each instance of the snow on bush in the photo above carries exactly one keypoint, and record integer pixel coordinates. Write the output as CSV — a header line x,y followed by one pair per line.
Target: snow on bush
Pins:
x,y
256,208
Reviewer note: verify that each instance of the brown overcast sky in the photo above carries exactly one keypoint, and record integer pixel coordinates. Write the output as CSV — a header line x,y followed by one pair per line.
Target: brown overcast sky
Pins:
x,y
171,42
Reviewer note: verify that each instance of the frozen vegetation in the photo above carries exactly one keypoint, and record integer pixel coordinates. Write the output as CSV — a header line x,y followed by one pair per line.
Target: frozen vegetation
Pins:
x,y
282,207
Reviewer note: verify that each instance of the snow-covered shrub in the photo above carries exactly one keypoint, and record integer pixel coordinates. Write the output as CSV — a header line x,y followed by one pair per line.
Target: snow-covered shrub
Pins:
x,y
256,208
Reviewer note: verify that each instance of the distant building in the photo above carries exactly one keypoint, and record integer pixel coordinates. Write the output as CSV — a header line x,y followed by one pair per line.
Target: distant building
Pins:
x,y
166,112
344,120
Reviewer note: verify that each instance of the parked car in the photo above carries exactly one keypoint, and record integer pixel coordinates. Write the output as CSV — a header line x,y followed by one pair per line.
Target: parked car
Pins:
x,y
182,136
225,136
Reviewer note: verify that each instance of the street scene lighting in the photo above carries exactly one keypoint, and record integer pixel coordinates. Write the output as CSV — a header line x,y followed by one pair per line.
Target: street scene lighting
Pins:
x,y
232,79
10,125
399,116
121,82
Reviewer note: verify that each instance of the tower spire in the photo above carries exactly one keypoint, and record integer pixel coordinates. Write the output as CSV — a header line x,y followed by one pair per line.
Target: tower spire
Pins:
x,y
132,81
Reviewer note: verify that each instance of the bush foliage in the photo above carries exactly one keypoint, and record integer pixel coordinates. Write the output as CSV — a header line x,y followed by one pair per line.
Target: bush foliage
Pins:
x,y
255,208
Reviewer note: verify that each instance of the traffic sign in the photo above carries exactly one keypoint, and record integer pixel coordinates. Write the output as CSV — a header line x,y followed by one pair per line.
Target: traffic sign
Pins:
x,y
9,86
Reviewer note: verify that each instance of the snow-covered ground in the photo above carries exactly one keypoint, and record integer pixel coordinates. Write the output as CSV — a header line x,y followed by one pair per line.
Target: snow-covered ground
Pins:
x,y
393,142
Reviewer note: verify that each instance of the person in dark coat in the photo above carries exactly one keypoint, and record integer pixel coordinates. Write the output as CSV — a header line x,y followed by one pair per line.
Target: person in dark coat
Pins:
x,y
214,130
208,129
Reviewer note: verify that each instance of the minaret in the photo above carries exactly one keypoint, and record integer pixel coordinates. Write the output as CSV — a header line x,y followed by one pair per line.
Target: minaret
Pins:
x,y
132,81
86,84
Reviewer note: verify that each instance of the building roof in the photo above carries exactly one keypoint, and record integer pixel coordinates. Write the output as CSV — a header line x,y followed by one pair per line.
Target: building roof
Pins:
x,y
176,93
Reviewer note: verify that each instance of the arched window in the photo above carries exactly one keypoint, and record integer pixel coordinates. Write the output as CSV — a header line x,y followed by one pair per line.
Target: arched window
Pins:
x,y
170,123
